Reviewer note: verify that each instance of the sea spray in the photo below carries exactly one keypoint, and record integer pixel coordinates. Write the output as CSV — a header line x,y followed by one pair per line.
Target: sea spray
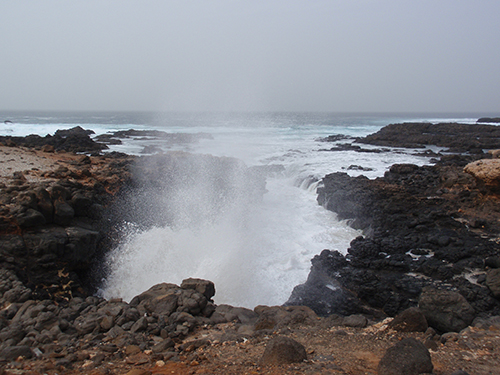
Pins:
x,y
210,218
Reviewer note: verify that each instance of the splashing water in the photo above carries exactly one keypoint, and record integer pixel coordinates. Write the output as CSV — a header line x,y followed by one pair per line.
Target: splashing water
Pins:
x,y
254,250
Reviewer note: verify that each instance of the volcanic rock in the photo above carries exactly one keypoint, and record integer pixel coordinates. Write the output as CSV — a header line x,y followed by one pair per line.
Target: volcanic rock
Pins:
x,y
410,320
407,357
205,287
444,310
422,226
283,350
493,281
455,137
489,119
76,139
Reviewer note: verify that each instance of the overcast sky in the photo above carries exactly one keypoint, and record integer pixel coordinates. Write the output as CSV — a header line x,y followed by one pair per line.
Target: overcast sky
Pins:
x,y
284,55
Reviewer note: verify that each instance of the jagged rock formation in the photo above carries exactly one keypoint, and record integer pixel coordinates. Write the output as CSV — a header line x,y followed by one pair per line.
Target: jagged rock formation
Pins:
x,y
423,226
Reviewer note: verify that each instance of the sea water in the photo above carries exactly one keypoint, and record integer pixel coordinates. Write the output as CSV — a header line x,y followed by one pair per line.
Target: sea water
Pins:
x,y
254,253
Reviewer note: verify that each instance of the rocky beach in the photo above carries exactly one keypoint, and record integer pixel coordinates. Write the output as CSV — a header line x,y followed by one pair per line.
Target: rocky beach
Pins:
x,y
418,293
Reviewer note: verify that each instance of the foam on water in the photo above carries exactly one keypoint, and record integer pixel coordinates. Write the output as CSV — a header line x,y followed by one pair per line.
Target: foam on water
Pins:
x,y
255,253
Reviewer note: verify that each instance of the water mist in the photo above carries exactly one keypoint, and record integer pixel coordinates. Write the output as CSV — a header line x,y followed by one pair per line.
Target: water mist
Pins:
x,y
213,218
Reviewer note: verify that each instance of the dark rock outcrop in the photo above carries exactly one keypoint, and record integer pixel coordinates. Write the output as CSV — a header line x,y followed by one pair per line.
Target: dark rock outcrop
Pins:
x,y
417,222
422,226
76,139
489,120
455,137
52,227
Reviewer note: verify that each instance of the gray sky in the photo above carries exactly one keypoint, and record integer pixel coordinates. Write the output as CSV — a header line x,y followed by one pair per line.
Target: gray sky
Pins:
x,y
314,55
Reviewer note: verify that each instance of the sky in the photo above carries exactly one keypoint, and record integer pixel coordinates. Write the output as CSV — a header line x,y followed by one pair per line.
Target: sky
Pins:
x,y
272,55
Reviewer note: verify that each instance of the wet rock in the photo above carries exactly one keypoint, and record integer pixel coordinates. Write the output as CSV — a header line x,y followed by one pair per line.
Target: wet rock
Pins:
x,y
489,119
411,228
323,292
283,350
407,357
11,244
444,310
492,262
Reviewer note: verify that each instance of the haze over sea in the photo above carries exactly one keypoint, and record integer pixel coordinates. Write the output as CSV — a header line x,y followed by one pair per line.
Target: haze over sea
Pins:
x,y
255,254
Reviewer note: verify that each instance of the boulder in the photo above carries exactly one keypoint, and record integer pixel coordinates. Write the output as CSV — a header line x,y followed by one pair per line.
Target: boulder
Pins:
x,y
283,350
410,320
407,357
486,171
445,311
161,298
165,299
205,287
356,320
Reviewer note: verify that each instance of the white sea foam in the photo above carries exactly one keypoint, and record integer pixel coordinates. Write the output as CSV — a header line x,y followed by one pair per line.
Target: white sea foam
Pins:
x,y
254,253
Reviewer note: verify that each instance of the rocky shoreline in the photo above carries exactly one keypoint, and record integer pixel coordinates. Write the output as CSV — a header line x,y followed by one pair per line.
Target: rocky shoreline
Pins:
x,y
430,241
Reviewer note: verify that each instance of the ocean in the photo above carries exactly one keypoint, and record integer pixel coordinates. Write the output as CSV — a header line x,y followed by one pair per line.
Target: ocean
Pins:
x,y
255,254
